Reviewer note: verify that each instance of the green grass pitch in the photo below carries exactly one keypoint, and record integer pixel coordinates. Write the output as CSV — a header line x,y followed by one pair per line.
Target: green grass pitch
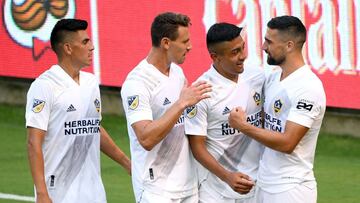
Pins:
x,y
337,162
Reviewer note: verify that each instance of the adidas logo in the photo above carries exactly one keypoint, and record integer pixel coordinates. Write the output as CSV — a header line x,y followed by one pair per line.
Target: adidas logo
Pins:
x,y
226,111
166,101
70,108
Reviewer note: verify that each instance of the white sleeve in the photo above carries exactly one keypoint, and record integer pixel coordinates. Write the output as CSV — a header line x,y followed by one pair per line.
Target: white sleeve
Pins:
x,y
305,108
196,119
136,102
38,105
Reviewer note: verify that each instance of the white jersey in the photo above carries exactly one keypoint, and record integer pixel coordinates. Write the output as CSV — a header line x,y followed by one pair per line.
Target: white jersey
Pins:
x,y
167,169
299,98
70,114
231,148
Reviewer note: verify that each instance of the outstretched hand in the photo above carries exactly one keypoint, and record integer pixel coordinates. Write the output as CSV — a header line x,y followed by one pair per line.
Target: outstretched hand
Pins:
x,y
190,95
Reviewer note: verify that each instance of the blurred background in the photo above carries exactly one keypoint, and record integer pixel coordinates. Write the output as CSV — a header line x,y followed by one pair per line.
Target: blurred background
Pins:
x,y
120,31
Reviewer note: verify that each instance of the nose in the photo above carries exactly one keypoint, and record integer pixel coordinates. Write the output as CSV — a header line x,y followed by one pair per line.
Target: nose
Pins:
x,y
264,46
91,46
243,55
189,47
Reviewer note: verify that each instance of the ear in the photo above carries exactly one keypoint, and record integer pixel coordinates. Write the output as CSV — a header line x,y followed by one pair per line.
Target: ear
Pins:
x,y
165,43
213,56
67,48
290,45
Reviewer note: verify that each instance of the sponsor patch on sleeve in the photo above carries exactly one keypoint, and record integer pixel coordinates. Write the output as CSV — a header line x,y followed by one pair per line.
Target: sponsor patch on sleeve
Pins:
x,y
38,105
304,104
191,111
133,102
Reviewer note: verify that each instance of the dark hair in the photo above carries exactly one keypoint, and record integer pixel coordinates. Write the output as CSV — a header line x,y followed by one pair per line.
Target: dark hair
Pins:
x,y
291,26
62,27
166,25
221,32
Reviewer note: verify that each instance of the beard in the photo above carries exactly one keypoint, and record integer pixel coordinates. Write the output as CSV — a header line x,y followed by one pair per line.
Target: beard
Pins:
x,y
273,61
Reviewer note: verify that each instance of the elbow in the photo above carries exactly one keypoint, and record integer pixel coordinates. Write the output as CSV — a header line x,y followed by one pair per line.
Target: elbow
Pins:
x,y
30,144
148,146
287,149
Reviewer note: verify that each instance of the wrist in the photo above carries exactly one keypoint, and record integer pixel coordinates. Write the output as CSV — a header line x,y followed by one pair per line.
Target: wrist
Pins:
x,y
246,127
41,192
182,105
225,176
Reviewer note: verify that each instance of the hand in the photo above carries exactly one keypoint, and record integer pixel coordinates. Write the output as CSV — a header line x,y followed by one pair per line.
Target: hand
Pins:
x,y
239,182
237,118
43,198
191,95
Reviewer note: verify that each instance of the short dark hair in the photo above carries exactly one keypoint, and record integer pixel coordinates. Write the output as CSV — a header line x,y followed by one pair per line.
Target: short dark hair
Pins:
x,y
221,32
166,25
291,26
62,27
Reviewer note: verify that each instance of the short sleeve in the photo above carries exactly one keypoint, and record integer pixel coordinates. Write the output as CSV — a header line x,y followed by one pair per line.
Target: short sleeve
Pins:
x,y
306,107
136,102
38,105
196,119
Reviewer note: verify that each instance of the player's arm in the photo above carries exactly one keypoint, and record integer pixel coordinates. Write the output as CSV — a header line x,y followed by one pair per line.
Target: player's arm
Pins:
x,y
150,133
239,182
35,140
283,142
108,147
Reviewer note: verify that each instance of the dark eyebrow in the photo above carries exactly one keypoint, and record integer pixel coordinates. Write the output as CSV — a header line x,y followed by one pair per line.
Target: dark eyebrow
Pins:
x,y
86,40
186,40
268,40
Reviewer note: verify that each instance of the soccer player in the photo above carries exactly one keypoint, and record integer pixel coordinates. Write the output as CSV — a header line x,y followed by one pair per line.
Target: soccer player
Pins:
x,y
230,159
63,115
154,96
294,108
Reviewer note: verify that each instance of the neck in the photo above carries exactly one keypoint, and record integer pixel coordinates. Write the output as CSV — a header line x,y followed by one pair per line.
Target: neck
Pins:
x,y
232,77
159,59
70,69
293,62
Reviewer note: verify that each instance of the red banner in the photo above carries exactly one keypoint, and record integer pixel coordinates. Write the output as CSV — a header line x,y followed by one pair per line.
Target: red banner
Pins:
x,y
120,31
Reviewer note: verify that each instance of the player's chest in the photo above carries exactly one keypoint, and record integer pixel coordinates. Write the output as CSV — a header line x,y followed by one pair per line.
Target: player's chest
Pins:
x,y
77,102
165,96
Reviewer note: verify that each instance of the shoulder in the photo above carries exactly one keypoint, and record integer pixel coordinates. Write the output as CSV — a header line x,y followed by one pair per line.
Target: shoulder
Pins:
x,y
254,75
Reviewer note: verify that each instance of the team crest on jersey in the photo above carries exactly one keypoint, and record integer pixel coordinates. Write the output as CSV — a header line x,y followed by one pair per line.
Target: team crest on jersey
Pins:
x,y
277,106
191,111
257,98
38,105
97,105
133,102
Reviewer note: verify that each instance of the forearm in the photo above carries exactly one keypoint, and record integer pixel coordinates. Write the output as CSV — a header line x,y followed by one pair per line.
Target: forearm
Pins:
x,y
274,140
155,131
36,163
207,160
108,147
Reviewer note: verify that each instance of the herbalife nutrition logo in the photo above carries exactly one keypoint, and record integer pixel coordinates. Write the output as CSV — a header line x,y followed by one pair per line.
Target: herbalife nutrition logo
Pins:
x,y
166,101
226,110
70,108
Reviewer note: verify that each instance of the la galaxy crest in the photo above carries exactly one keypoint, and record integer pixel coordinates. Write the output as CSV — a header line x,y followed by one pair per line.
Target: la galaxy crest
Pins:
x,y
277,106
97,105
191,111
257,98
133,102
38,105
